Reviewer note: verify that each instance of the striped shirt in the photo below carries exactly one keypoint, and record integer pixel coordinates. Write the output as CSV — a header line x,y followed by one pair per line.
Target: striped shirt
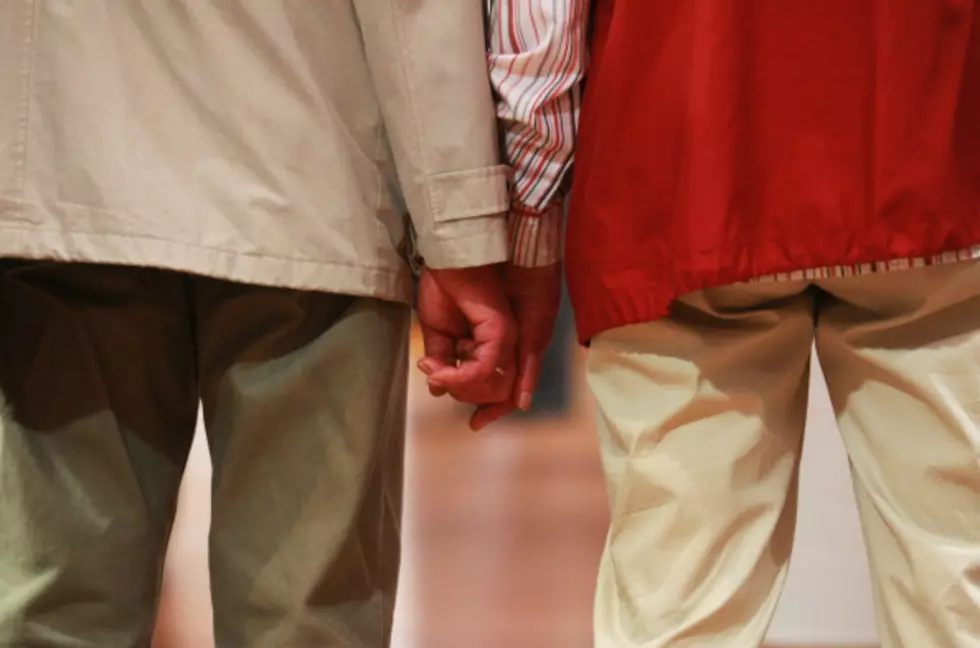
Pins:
x,y
537,57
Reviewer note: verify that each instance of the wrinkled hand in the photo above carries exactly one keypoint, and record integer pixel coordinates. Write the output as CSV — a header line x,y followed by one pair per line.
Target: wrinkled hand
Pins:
x,y
535,296
469,334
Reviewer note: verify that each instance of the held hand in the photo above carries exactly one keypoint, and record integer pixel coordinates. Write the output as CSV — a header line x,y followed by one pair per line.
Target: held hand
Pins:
x,y
469,334
535,296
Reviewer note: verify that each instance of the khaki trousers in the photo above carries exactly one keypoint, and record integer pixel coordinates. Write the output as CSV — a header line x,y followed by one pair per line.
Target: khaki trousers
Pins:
x,y
701,425
102,369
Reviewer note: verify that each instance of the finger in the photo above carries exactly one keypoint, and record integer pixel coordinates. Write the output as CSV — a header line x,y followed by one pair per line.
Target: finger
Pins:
x,y
494,389
438,392
439,353
497,389
487,414
440,350
429,365
465,348
482,366
528,377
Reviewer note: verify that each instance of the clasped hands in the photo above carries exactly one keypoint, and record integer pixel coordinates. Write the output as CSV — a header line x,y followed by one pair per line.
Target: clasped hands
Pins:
x,y
485,331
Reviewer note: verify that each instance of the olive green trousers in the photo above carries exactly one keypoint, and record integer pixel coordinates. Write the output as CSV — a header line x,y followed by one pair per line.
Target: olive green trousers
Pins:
x,y
102,369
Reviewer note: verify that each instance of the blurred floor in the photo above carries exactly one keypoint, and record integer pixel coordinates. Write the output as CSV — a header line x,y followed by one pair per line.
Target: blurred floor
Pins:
x,y
503,532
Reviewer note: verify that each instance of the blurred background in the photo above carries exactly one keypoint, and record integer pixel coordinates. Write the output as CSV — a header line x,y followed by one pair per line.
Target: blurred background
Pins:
x,y
503,529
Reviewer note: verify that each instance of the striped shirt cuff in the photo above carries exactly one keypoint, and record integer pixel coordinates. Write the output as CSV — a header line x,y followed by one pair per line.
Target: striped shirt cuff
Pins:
x,y
536,237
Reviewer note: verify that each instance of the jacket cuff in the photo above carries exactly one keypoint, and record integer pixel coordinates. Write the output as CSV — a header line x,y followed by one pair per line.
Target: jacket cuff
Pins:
x,y
535,238
468,194
466,225
487,246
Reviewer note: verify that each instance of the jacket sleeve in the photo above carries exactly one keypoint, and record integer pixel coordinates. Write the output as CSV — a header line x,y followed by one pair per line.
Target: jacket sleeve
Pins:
x,y
428,61
537,59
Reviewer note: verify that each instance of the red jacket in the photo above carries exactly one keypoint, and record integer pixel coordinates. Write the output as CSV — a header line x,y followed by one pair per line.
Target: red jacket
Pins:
x,y
721,140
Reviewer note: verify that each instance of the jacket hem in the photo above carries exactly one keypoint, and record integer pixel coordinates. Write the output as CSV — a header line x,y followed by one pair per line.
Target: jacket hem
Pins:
x,y
313,275
599,310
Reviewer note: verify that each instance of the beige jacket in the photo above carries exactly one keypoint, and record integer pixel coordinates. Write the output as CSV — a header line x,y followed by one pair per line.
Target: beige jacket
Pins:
x,y
276,142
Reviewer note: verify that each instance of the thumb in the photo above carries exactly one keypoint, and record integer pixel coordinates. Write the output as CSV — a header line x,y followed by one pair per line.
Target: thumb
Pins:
x,y
440,353
528,376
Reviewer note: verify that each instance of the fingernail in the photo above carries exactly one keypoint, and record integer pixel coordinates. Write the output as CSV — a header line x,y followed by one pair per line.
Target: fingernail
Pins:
x,y
525,402
425,366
